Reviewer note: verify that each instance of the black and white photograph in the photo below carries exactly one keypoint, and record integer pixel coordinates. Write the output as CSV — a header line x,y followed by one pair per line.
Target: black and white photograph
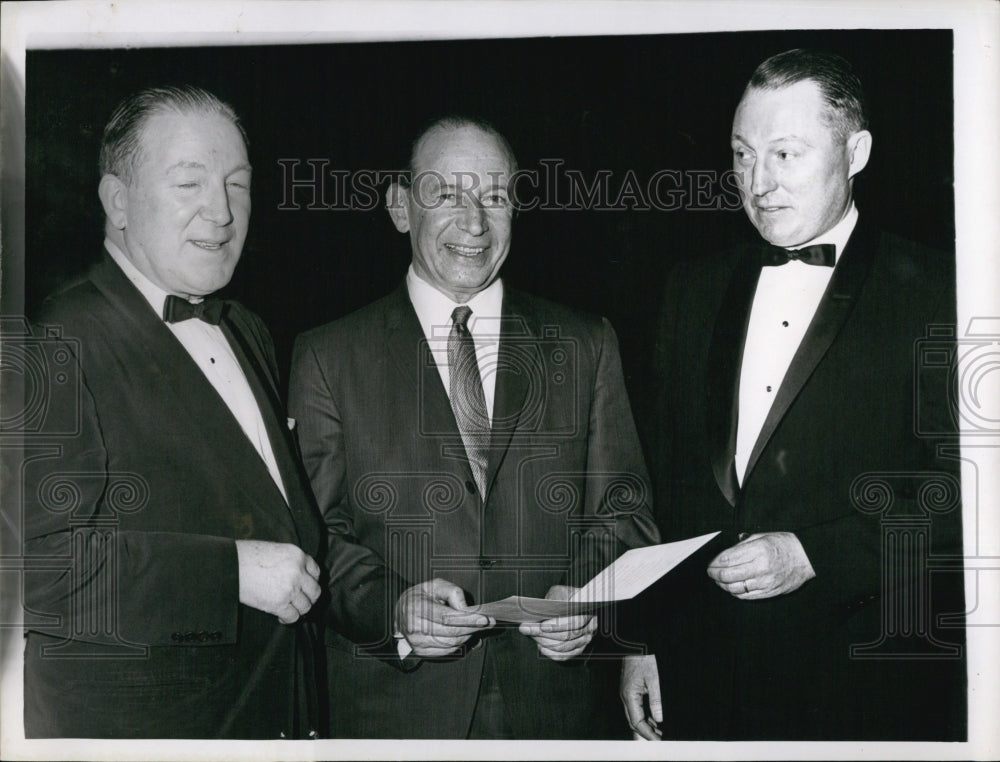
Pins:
x,y
419,380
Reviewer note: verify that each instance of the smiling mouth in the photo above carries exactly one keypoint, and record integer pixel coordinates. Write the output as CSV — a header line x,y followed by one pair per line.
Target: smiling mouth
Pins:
x,y
210,245
466,251
769,209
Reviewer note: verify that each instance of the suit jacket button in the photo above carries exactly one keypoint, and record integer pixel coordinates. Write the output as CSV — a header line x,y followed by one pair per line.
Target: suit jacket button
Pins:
x,y
470,486
176,636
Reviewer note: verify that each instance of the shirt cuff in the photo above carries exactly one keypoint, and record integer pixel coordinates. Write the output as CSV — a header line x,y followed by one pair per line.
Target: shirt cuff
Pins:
x,y
403,647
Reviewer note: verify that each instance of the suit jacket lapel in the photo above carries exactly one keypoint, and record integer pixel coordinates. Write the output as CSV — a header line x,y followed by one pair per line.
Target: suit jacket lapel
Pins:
x,y
725,356
518,327
417,370
185,390
834,308
405,342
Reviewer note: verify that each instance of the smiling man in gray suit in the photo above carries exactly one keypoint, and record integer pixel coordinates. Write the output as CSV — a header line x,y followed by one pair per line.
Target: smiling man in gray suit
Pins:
x,y
466,442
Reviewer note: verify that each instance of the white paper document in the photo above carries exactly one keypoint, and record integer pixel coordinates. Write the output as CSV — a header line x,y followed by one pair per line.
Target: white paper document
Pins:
x,y
628,576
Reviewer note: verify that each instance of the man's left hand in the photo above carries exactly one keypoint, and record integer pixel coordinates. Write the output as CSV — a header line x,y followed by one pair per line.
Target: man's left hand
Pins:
x,y
640,683
762,566
563,637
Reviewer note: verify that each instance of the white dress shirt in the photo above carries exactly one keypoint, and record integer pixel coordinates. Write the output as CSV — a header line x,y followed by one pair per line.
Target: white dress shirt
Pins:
x,y
783,306
434,313
210,350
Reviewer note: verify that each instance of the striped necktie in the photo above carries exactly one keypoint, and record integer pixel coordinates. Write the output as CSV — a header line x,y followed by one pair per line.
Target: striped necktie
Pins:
x,y
467,399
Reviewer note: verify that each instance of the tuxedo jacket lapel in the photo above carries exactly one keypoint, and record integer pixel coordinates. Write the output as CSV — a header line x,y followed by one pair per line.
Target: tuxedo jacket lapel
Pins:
x,y
255,367
834,308
185,390
725,357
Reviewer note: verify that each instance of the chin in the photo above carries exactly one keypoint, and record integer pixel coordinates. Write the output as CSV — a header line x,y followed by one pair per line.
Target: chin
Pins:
x,y
777,237
210,284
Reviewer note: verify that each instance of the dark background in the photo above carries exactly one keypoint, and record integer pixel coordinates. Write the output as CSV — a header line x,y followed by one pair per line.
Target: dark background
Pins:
x,y
644,104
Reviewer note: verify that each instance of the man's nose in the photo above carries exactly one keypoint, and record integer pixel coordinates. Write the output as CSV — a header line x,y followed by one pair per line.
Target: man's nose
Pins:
x,y
472,218
761,179
216,207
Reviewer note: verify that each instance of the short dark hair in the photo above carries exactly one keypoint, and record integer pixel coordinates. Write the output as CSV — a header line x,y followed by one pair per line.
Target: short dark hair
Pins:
x,y
839,85
453,121
122,142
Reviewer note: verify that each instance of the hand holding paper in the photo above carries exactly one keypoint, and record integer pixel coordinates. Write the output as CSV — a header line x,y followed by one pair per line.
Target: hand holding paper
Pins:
x,y
563,637
762,566
632,573
432,617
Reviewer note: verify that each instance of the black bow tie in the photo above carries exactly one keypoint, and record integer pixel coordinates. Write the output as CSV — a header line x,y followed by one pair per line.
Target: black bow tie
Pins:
x,y
822,254
176,309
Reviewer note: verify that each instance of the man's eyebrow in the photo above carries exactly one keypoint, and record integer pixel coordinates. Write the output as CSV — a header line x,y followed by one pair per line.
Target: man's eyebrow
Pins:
x,y
783,139
186,165
199,165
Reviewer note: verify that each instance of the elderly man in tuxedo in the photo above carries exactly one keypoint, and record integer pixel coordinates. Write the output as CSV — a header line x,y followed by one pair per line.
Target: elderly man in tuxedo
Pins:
x,y
169,530
790,417
466,442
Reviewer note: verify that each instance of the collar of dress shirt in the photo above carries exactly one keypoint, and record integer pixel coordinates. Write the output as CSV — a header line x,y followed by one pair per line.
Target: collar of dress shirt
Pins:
x,y
837,235
155,295
434,308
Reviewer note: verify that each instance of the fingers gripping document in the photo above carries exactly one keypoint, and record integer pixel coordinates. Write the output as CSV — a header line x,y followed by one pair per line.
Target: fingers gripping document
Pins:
x,y
625,578
628,576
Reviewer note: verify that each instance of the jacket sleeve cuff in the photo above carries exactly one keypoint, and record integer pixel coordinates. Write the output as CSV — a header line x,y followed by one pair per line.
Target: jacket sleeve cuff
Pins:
x,y
177,589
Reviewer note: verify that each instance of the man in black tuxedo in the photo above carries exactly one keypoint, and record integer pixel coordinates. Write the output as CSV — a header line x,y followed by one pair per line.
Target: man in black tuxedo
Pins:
x,y
168,527
791,417
466,442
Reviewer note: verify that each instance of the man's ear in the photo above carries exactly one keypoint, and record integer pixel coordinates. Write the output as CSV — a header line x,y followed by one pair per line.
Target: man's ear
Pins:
x,y
114,199
396,198
859,149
